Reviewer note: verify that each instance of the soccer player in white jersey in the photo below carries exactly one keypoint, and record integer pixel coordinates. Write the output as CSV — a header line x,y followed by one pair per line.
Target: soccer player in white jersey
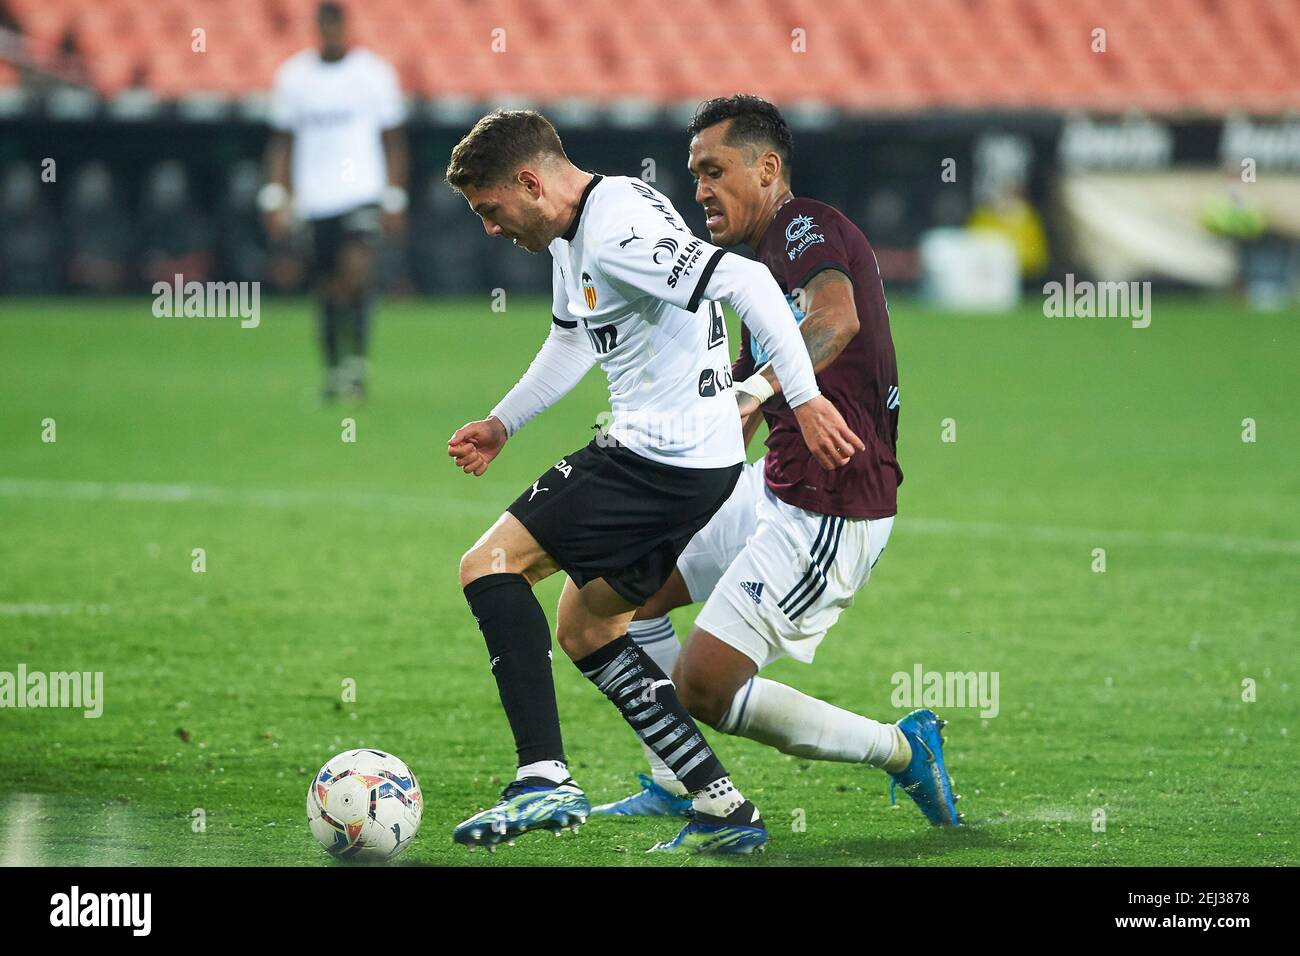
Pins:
x,y
635,292
338,158
782,559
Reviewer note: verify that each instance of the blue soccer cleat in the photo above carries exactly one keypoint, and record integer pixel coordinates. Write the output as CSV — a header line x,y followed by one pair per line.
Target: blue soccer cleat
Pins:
x,y
741,832
652,801
925,779
533,803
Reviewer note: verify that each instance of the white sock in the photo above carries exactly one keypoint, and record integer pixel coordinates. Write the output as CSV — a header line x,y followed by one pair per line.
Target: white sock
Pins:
x,y
719,798
657,638
553,770
354,369
804,726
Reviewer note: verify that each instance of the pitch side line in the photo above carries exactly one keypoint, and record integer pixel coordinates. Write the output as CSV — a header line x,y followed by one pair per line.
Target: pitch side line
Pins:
x,y
284,499
276,499
1099,537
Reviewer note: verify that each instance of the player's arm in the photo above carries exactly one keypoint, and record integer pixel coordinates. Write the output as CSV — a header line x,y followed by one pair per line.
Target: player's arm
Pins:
x,y
741,369
750,289
561,363
273,198
397,152
397,159
750,419
830,323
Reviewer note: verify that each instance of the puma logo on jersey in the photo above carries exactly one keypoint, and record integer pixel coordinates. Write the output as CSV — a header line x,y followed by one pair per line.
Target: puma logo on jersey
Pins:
x,y
537,491
631,238
754,589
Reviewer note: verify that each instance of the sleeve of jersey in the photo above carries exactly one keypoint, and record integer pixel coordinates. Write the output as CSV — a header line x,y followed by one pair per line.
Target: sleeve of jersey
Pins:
x,y
667,264
818,248
750,289
281,112
561,363
391,108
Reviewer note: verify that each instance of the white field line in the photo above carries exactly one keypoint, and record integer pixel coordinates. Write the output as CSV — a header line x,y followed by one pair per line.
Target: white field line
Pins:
x,y
40,609
21,843
1098,537
288,499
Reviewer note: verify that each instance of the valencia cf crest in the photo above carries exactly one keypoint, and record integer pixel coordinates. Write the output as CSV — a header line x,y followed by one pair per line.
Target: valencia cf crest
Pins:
x,y
589,291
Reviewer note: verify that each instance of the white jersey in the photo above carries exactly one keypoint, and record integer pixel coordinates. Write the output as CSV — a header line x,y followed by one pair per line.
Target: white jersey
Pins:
x,y
630,284
336,113
662,347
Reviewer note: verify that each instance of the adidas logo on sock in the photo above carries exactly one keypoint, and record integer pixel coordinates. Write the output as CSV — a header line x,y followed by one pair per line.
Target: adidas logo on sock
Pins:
x,y
754,589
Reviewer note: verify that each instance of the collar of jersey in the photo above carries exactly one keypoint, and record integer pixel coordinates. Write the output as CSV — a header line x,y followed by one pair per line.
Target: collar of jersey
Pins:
x,y
577,213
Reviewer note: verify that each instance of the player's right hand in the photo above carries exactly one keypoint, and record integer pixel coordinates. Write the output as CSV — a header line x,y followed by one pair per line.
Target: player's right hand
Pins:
x,y
473,446
826,434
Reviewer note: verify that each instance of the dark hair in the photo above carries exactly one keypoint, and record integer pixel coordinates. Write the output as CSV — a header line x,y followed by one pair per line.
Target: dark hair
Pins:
x,y
756,123
498,145
329,12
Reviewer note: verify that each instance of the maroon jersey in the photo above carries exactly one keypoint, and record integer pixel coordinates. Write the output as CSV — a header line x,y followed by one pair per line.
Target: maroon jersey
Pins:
x,y
805,238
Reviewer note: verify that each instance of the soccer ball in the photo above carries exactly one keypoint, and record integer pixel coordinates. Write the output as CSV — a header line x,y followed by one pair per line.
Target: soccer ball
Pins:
x,y
364,805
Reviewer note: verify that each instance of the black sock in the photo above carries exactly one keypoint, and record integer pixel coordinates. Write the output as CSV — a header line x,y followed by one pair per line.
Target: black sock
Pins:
x,y
519,646
647,699
330,320
359,318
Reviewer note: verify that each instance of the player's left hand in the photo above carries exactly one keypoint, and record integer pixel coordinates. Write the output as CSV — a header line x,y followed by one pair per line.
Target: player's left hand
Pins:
x,y
826,434
393,223
473,446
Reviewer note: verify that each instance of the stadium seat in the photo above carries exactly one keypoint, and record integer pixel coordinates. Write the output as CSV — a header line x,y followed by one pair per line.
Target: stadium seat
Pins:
x,y
887,55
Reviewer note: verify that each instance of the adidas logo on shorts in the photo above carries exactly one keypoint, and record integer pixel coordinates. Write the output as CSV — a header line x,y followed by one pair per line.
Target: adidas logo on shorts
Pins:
x,y
754,589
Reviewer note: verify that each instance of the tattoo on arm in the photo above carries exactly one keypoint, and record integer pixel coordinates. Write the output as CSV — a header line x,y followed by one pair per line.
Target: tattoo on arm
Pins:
x,y
828,325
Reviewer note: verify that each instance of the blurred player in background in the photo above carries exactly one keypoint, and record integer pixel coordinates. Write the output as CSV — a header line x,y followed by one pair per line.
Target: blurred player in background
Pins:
x,y
338,158
780,561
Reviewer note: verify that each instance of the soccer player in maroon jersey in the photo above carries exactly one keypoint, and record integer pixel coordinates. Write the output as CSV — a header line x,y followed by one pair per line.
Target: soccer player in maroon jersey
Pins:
x,y
794,543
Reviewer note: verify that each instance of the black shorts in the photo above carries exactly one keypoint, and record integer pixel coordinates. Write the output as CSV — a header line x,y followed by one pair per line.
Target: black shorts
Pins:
x,y
328,235
607,512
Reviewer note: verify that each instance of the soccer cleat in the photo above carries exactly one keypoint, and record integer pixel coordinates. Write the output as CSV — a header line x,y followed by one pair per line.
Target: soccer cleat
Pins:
x,y
741,832
652,801
925,779
533,803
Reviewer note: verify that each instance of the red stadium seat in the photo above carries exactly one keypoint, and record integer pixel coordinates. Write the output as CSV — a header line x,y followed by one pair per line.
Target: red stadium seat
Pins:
x,y
884,55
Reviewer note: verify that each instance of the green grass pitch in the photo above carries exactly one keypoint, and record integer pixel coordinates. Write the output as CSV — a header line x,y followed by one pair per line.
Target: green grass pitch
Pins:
x,y
1120,692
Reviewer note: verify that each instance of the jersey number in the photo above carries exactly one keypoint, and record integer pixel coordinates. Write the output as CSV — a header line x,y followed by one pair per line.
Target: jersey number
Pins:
x,y
604,338
717,327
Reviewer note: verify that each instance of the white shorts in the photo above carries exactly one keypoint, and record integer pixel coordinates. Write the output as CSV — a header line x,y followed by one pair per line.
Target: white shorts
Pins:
x,y
775,578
